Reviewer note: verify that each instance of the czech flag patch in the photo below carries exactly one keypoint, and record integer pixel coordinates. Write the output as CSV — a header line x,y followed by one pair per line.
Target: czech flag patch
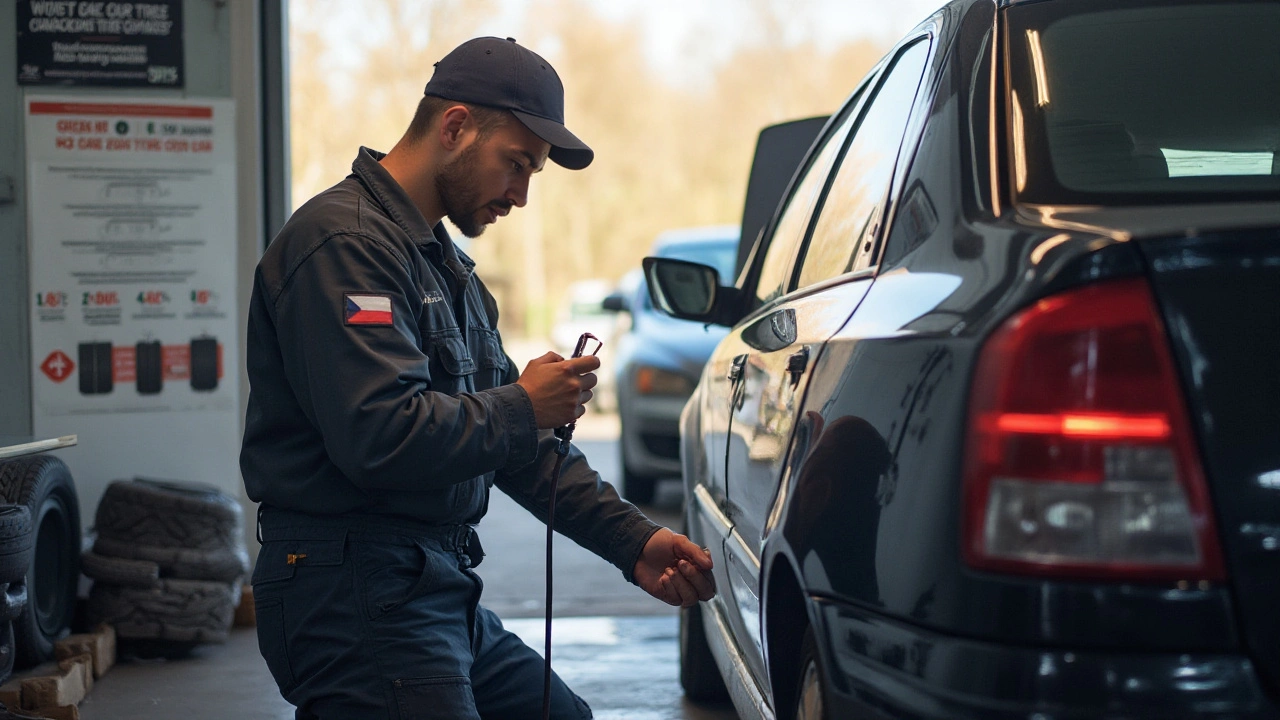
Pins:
x,y
367,309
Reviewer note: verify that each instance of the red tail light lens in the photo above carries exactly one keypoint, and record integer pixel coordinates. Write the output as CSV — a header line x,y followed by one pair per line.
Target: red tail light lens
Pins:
x,y
1080,460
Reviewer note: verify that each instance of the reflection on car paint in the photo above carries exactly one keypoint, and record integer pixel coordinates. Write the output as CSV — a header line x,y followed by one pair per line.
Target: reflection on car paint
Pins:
x,y
896,300
866,646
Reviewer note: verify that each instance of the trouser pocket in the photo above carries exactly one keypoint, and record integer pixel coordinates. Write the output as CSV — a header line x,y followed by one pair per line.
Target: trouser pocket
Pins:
x,y
271,640
435,697
394,574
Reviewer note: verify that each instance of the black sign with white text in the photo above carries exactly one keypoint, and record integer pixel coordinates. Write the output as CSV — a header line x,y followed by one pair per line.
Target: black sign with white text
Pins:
x,y
91,42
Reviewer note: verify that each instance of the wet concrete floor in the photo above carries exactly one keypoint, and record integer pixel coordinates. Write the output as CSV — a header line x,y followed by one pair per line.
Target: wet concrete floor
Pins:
x,y
625,667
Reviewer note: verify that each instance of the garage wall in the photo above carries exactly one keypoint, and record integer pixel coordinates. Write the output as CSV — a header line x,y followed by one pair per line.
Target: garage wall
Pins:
x,y
223,48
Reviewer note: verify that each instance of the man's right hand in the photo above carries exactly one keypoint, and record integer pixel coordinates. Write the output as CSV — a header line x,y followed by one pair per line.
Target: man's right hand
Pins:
x,y
559,389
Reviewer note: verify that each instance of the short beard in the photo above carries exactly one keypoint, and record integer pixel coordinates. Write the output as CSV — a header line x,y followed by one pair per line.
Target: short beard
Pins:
x,y
462,202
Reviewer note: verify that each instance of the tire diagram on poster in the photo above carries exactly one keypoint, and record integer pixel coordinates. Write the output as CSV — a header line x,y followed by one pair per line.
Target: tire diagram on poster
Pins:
x,y
131,230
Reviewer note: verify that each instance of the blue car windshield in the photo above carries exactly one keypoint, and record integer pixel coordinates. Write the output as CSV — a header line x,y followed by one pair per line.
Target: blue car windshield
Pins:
x,y
1158,101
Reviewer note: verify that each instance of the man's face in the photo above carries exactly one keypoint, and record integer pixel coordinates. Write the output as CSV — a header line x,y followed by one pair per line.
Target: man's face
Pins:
x,y
490,176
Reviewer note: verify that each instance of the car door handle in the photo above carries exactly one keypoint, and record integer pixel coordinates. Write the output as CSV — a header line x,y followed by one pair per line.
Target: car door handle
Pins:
x,y
797,363
735,369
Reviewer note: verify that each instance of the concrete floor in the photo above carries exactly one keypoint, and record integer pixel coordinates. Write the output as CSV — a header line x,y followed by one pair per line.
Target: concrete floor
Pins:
x,y
624,667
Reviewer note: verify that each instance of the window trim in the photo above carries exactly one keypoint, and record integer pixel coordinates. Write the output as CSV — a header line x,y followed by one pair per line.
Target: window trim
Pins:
x,y
759,253
928,31
888,200
914,130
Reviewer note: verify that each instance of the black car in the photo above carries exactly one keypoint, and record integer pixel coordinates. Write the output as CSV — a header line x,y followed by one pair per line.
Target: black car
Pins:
x,y
995,432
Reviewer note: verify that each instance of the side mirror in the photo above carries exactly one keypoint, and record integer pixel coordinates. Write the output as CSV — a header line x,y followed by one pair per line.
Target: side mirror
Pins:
x,y
688,290
615,302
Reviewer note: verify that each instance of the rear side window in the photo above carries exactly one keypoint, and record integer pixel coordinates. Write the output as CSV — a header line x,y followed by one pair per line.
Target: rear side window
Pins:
x,y
775,269
1155,103
853,210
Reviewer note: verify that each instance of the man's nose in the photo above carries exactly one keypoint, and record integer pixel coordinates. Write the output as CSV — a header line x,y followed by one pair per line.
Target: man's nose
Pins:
x,y
518,191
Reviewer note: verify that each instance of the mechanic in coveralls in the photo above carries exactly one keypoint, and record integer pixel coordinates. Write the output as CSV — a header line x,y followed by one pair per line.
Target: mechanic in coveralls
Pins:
x,y
382,408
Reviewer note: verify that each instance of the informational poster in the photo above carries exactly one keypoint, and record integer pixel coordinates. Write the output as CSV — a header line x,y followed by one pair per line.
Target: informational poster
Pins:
x,y
132,248
90,42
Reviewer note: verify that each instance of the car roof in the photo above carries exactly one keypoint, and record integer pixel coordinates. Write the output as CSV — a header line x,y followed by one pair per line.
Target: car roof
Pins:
x,y
706,233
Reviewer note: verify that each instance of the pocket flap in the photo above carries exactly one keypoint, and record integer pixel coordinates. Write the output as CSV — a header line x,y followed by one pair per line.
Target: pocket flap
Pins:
x,y
491,355
278,560
452,351
319,552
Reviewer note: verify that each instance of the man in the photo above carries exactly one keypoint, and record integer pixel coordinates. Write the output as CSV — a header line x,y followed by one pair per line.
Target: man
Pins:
x,y
382,409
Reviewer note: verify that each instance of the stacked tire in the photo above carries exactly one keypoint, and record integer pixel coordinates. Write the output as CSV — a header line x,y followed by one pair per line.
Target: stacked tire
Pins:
x,y
167,563
16,543
39,553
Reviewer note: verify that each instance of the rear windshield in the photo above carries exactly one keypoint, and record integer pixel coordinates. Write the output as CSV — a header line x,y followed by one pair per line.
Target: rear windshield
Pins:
x,y
1158,102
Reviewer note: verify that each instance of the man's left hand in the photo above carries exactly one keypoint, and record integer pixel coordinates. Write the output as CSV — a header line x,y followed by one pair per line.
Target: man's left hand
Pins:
x,y
674,570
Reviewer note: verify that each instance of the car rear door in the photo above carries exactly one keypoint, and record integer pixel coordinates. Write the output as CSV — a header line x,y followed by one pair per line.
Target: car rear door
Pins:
x,y
820,280
729,378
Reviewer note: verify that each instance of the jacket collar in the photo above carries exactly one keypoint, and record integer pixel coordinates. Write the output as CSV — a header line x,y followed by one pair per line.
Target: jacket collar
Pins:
x,y
393,199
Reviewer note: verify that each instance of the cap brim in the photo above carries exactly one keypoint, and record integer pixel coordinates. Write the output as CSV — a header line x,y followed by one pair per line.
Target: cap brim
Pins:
x,y
567,150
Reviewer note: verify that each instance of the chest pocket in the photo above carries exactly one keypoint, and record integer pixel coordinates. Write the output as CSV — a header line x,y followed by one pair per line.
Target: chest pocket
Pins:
x,y
448,352
492,360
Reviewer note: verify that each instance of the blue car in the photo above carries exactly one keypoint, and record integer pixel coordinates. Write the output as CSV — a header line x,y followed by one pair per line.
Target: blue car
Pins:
x,y
658,361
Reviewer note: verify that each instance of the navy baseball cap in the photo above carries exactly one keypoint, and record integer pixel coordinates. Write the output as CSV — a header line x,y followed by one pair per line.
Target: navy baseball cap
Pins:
x,y
501,74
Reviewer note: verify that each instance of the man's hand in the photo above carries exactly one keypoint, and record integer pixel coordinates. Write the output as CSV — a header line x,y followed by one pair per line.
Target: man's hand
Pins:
x,y
559,389
674,570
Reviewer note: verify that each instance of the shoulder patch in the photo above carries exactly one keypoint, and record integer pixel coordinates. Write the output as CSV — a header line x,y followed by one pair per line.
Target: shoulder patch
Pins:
x,y
367,309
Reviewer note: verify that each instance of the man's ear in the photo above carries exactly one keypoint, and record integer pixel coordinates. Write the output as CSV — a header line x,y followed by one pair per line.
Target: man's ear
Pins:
x,y
455,122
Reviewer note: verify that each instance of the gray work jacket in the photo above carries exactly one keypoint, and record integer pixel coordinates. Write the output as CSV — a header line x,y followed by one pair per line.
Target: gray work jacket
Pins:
x,y
379,385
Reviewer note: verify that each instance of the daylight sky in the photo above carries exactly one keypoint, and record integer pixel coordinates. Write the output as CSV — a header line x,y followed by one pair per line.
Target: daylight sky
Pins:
x,y
673,25
680,31
683,37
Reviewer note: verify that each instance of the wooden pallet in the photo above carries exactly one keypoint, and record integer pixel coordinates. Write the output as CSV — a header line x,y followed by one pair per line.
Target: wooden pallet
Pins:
x,y
54,690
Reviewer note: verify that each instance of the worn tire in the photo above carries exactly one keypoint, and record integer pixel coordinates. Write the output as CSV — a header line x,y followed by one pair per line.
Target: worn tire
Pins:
x,y
180,611
181,563
6,650
119,571
169,514
811,682
16,542
43,485
636,488
13,600
699,675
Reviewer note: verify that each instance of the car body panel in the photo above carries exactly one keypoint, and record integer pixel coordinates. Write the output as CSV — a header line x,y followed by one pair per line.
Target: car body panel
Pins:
x,y
1220,294
905,672
763,404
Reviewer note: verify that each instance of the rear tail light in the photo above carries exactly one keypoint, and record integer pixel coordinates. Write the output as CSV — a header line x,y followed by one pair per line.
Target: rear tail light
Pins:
x,y
1080,459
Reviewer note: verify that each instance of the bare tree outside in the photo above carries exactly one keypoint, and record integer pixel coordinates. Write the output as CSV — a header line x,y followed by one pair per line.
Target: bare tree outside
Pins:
x,y
670,151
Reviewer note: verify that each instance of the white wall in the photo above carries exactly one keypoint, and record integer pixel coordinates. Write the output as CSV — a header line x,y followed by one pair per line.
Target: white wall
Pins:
x,y
222,61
